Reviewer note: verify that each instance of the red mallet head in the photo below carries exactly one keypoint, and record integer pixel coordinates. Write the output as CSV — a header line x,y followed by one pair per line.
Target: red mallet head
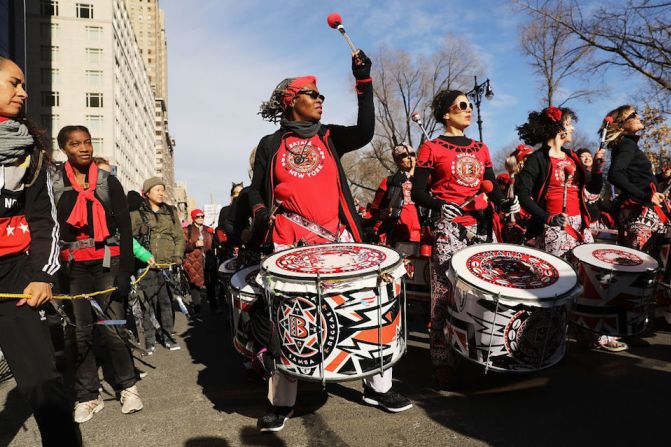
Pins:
x,y
334,20
486,186
283,192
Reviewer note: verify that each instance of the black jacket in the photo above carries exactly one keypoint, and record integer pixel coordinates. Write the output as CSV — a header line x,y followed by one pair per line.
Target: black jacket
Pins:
x,y
532,183
340,140
631,171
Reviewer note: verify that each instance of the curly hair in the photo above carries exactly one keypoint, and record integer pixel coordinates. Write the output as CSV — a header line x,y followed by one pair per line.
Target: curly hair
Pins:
x,y
615,131
274,109
540,127
442,102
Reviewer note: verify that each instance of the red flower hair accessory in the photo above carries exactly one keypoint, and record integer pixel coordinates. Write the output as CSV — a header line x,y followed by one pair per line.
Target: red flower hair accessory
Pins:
x,y
554,113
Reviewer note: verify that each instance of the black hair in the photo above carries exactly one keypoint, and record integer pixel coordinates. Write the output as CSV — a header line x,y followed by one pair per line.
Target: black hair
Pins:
x,y
274,109
582,150
442,102
540,128
65,132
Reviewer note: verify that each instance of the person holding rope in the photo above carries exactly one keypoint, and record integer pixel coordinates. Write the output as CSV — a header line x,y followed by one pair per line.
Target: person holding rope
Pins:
x,y
551,185
28,262
303,157
157,228
98,249
450,174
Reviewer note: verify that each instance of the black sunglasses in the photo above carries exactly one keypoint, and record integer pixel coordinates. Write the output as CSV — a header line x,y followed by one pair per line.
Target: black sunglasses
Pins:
x,y
463,105
199,216
312,94
631,116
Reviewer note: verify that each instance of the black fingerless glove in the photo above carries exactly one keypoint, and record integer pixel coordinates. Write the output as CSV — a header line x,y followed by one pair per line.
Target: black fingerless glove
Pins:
x,y
362,71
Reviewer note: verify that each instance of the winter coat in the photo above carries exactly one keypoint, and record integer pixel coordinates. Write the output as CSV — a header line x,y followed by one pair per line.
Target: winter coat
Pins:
x,y
194,257
166,238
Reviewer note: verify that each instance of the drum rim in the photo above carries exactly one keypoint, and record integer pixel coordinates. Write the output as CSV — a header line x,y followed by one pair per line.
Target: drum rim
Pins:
x,y
240,290
314,277
605,266
556,297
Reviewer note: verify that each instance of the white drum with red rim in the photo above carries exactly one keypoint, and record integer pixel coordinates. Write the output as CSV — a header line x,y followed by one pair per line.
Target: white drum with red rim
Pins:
x,y
338,309
245,291
619,285
508,306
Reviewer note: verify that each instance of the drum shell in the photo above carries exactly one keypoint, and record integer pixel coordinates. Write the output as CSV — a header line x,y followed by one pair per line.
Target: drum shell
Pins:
x,y
418,287
353,335
507,334
614,303
244,293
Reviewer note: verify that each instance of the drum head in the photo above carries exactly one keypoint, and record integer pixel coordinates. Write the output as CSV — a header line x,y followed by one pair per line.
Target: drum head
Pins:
x,y
616,258
331,261
514,271
228,266
245,281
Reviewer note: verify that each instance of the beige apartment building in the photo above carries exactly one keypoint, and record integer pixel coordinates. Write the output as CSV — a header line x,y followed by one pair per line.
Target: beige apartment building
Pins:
x,y
149,23
84,67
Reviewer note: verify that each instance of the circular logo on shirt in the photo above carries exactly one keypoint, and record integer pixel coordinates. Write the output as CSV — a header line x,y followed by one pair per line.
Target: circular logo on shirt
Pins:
x,y
467,169
512,269
560,170
617,257
302,158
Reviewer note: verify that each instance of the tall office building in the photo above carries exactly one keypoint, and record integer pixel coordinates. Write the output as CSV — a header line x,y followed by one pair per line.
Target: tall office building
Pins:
x,y
85,67
149,24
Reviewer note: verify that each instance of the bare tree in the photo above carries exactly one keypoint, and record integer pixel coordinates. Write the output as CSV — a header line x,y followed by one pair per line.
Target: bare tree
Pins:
x,y
554,52
634,36
404,84
656,137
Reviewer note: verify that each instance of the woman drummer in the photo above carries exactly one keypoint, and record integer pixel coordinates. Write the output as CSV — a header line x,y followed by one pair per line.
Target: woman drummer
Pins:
x,y
640,208
303,159
450,170
550,186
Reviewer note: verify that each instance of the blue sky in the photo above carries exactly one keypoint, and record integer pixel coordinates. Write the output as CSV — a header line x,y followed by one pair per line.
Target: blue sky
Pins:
x,y
225,57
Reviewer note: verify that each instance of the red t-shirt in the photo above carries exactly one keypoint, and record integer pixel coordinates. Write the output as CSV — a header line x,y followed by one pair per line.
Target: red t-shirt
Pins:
x,y
456,172
407,227
555,191
308,167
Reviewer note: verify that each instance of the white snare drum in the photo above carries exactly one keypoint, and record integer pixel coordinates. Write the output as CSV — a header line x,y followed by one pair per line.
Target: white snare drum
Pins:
x,y
419,286
619,285
338,308
509,304
245,291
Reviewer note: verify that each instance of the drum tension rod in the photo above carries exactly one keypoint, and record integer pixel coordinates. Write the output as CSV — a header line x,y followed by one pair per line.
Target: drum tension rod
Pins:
x,y
319,329
491,333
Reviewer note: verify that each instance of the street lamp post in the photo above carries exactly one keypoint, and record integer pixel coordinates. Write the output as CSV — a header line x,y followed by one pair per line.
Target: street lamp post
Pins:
x,y
476,96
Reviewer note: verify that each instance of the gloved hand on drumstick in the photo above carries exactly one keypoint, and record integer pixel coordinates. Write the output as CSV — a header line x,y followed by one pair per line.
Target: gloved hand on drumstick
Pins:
x,y
449,211
511,205
557,220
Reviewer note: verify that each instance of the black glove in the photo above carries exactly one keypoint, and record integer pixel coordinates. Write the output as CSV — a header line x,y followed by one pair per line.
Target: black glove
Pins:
x,y
450,211
510,205
177,260
122,283
557,220
361,71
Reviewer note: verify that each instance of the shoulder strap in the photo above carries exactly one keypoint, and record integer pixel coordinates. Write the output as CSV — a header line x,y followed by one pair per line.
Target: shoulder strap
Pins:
x,y
103,189
59,185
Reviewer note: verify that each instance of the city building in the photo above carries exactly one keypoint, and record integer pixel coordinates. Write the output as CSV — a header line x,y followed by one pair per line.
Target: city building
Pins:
x,y
85,67
13,31
149,23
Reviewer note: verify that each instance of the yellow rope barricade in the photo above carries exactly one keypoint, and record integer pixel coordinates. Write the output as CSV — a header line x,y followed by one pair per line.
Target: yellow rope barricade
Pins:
x,y
21,296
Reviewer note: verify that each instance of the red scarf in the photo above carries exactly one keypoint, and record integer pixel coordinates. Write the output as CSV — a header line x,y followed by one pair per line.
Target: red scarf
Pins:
x,y
79,215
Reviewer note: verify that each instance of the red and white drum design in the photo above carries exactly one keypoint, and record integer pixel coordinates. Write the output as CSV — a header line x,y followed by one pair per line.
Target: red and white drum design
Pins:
x,y
619,287
358,330
245,291
419,286
509,304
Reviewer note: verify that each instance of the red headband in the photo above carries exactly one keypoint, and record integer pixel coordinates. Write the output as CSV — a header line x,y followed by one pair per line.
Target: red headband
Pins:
x,y
295,86
196,212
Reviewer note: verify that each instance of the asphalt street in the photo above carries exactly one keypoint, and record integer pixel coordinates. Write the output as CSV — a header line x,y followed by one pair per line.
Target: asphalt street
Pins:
x,y
201,396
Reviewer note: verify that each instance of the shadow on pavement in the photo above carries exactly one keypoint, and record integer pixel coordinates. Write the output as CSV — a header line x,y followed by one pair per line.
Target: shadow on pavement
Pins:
x,y
14,414
206,441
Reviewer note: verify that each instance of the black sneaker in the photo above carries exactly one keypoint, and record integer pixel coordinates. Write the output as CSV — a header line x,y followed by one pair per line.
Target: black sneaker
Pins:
x,y
275,418
391,400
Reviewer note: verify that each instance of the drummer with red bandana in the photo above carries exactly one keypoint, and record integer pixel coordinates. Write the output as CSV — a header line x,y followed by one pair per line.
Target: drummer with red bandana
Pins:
x,y
302,159
450,170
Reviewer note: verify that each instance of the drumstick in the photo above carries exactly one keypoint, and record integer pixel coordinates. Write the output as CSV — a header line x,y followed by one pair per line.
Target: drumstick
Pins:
x,y
511,167
485,187
568,173
335,21
416,117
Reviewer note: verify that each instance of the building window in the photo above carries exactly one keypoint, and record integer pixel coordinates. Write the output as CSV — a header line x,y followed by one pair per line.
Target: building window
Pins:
x,y
48,30
94,55
49,52
84,11
94,77
50,99
50,122
97,144
49,8
94,33
49,76
94,100
94,123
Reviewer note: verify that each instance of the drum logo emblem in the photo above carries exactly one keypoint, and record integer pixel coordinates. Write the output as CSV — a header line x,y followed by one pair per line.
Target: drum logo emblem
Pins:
x,y
617,257
508,268
302,329
467,169
331,260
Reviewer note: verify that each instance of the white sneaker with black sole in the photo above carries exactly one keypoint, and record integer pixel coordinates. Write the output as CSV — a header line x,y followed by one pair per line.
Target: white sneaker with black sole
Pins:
x,y
391,401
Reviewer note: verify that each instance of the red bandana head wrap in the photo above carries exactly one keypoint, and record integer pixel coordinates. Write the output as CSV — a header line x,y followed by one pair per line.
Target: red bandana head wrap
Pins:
x,y
79,215
296,85
196,212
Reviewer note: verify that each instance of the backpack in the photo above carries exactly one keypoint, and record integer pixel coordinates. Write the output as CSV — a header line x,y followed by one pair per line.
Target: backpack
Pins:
x,y
102,187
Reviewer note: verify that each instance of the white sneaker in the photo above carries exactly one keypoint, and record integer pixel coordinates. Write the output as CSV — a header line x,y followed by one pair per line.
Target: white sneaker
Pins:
x,y
84,411
130,400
